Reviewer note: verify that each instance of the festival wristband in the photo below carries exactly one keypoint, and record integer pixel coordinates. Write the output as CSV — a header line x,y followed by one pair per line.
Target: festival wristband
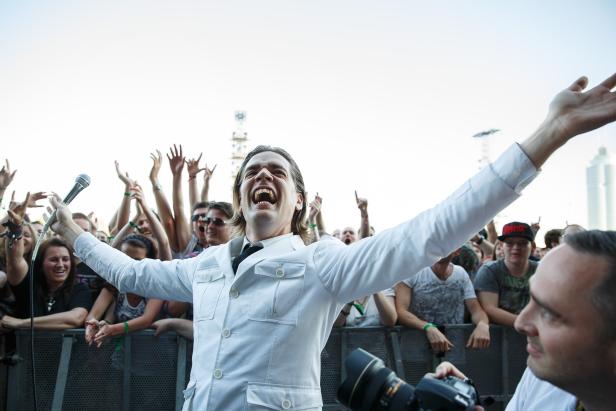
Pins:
x,y
427,326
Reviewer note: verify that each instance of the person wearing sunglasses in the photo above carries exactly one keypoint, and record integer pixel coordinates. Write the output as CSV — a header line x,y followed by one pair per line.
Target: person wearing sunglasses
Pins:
x,y
217,231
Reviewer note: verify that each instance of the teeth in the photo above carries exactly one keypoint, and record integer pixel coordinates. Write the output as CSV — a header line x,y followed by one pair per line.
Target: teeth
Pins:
x,y
264,191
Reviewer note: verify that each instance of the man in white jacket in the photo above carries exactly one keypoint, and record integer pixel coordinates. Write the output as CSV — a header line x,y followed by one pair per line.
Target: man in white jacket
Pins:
x,y
264,303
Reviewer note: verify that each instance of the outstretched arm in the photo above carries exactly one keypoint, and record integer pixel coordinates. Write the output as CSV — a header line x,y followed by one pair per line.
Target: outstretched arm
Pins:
x,y
164,210
364,227
182,227
6,176
124,210
164,251
192,166
207,176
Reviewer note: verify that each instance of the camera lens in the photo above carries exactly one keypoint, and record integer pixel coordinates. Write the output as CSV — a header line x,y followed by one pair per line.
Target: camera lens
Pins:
x,y
372,386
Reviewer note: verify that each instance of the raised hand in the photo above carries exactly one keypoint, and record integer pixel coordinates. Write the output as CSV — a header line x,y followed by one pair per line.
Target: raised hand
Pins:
x,y
208,172
6,176
535,227
575,111
157,161
128,182
192,166
315,208
362,203
137,193
176,160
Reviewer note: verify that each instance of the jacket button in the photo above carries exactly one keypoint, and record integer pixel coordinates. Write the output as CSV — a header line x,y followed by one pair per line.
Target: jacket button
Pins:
x,y
286,404
218,373
279,272
226,333
234,292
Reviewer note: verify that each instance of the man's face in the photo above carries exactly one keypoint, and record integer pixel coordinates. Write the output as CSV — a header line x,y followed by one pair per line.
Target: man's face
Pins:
x,y
144,226
84,224
268,196
348,236
517,250
198,223
563,327
217,231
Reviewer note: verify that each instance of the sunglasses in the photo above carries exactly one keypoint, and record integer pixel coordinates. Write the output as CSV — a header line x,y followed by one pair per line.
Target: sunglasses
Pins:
x,y
207,220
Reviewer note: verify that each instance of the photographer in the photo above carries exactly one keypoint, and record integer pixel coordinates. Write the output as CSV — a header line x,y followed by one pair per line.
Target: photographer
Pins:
x,y
569,324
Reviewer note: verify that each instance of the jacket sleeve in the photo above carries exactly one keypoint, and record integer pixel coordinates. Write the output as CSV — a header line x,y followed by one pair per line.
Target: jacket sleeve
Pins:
x,y
378,262
166,280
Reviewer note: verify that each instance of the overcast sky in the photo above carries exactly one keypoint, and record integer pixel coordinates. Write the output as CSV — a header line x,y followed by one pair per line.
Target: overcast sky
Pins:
x,y
378,96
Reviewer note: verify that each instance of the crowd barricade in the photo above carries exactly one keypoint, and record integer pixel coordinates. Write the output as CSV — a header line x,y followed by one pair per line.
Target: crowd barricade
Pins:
x,y
141,371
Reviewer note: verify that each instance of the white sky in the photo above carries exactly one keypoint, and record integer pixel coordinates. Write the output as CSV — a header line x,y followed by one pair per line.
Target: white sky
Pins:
x,y
382,97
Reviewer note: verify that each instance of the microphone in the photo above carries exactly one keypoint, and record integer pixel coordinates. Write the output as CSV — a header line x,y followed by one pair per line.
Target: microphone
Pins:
x,y
81,182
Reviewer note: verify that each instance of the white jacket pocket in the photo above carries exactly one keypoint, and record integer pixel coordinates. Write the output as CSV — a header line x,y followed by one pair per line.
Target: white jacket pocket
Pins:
x,y
261,397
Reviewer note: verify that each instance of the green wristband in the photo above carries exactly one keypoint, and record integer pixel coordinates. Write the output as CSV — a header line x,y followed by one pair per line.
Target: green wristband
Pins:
x,y
130,223
125,327
126,194
427,326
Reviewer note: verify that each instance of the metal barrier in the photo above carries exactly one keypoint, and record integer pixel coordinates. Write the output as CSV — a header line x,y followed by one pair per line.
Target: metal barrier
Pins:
x,y
147,372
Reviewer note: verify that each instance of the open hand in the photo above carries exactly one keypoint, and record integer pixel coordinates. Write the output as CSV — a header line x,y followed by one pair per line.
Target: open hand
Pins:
x,y
123,176
176,160
157,160
575,111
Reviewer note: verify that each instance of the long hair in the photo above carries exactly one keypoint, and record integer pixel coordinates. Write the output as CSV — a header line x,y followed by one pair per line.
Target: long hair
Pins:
x,y
298,223
39,274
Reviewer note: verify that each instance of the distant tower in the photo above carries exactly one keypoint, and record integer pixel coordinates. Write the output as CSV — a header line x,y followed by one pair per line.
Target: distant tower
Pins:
x,y
601,191
484,155
238,143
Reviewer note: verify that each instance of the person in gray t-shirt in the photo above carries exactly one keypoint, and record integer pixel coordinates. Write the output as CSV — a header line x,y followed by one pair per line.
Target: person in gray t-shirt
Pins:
x,y
502,286
437,295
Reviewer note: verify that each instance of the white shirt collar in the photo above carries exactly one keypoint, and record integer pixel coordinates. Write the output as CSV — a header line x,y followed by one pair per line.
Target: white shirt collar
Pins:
x,y
267,242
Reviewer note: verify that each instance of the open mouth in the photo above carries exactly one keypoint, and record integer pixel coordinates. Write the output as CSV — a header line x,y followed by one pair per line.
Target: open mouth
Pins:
x,y
263,196
347,241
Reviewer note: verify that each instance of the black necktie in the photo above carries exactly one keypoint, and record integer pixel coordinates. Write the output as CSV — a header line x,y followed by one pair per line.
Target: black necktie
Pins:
x,y
247,251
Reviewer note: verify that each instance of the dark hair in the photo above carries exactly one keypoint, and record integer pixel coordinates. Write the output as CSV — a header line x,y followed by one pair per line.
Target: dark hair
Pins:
x,y
552,236
298,223
140,241
224,207
39,274
601,244
200,204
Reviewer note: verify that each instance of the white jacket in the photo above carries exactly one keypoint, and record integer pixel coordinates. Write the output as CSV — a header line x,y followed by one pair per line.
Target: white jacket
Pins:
x,y
258,335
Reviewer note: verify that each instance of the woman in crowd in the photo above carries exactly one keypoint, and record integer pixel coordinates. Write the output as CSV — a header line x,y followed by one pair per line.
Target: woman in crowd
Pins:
x,y
59,302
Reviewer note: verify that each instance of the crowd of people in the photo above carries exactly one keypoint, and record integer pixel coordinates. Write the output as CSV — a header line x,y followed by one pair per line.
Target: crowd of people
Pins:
x,y
257,282
484,281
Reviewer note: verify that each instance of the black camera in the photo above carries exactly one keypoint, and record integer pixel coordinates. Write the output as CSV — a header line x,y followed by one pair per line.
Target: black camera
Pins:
x,y
372,386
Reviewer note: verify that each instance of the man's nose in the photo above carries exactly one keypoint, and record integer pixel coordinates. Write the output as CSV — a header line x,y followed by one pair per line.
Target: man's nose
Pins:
x,y
524,321
264,173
